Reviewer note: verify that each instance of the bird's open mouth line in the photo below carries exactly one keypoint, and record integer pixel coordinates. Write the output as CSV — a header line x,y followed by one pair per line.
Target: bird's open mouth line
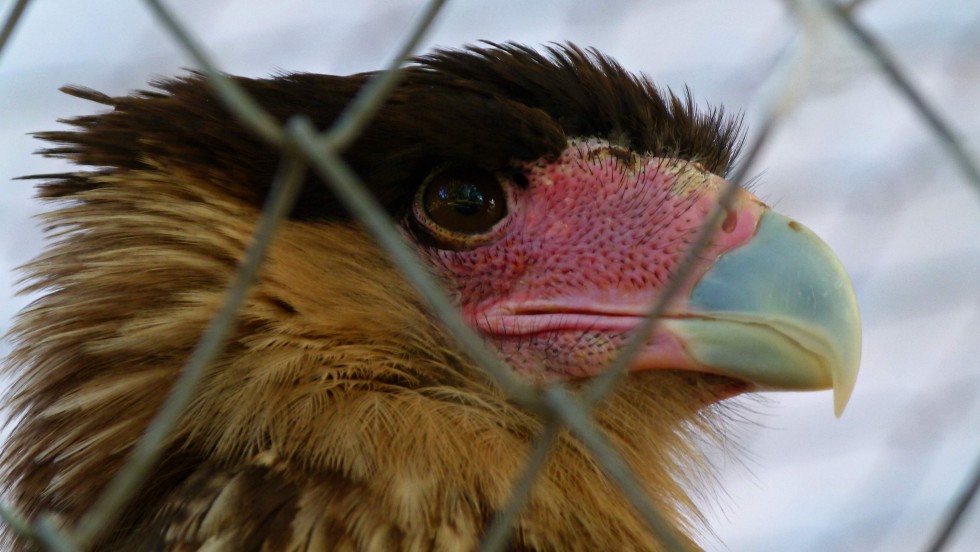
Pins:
x,y
537,320
504,325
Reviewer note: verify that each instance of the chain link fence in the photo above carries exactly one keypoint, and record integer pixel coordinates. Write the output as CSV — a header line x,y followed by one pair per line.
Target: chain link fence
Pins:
x,y
792,75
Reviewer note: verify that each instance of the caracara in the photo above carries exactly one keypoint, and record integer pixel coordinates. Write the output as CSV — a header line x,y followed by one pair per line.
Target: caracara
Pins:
x,y
551,192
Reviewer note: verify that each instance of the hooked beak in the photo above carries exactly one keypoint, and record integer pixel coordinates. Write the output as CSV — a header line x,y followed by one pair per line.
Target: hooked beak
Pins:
x,y
778,312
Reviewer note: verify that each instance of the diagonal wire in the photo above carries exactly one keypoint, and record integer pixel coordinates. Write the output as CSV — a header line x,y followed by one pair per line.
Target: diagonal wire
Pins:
x,y
852,6
48,534
576,417
11,23
957,513
971,170
889,66
497,536
778,106
16,521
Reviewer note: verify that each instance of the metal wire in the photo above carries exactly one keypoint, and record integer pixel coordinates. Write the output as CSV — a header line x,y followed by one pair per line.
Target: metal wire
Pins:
x,y
957,513
304,148
16,521
843,15
497,536
889,66
11,22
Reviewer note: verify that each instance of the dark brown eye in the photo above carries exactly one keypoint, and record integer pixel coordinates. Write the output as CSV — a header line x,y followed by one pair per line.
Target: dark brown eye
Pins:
x,y
461,201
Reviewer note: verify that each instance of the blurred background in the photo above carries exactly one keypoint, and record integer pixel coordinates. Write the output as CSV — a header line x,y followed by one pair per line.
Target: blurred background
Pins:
x,y
853,161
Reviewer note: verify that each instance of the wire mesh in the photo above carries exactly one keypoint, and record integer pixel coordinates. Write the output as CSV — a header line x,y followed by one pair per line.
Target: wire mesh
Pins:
x,y
303,148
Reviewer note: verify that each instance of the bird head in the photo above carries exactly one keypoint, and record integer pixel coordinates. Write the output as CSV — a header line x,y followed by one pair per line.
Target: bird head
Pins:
x,y
558,260
554,196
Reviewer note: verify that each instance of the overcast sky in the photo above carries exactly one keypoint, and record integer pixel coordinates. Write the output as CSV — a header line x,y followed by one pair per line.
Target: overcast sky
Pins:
x,y
853,162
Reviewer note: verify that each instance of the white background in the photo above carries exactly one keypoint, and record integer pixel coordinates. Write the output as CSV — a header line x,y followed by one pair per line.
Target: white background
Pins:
x,y
853,162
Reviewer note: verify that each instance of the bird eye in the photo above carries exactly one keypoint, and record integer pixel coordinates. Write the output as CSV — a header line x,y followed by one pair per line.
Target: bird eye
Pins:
x,y
457,204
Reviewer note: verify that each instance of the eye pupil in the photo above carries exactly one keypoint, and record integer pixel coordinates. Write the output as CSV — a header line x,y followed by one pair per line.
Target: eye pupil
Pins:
x,y
465,197
461,201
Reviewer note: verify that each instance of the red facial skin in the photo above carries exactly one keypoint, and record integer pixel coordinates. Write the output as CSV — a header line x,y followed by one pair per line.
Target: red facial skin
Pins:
x,y
586,247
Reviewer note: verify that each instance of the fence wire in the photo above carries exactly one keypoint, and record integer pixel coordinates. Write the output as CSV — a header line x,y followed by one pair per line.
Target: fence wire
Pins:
x,y
305,149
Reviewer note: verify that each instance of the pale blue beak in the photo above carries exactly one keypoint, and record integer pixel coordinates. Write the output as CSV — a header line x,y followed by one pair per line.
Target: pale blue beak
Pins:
x,y
778,312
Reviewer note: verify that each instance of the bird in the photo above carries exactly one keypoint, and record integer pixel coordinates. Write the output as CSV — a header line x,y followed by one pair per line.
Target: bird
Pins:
x,y
551,193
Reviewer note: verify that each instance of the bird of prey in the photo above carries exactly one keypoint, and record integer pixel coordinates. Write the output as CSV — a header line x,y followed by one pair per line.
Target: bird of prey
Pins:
x,y
551,192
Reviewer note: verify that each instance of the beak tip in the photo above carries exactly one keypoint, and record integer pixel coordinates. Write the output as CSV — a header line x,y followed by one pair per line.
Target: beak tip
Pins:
x,y
845,378
842,395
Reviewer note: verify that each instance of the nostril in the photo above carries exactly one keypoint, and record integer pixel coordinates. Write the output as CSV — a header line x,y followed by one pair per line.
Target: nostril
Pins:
x,y
731,220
